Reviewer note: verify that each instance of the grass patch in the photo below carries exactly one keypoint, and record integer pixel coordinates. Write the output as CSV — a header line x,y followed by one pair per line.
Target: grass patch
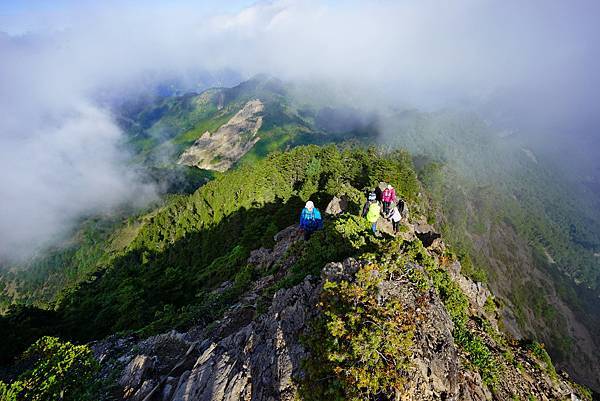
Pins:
x,y
210,124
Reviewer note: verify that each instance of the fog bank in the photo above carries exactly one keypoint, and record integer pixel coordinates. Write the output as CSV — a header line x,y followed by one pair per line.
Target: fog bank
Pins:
x,y
532,65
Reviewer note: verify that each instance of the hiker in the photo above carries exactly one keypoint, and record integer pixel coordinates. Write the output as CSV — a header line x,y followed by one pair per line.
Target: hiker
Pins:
x,y
371,197
395,216
402,208
378,193
388,196
310,220
373,216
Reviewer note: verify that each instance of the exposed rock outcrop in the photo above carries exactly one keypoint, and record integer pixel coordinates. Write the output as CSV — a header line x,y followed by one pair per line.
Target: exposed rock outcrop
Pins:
x,y
259,361
337,205
221,149
135,371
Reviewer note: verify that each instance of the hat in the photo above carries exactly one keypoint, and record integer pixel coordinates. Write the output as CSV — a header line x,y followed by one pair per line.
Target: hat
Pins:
x,y
309,205
389,186
372,196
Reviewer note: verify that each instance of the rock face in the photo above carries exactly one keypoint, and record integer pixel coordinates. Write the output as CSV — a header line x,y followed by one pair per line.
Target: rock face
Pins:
x,y
259,361
337,206
135,371
426,234
258,357
220,150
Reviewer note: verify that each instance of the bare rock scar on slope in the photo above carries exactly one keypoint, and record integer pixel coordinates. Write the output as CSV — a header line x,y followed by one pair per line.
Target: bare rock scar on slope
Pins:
x,y
221,149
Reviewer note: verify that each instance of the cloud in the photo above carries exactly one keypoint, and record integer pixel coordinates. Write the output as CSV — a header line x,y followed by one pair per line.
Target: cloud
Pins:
x,y
59,152
60,146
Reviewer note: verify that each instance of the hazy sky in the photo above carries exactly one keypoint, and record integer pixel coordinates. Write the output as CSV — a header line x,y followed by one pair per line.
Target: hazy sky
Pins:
x,y
58,147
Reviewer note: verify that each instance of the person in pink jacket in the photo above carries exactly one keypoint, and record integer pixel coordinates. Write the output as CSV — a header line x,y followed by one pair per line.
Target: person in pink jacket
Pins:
x,y
388,196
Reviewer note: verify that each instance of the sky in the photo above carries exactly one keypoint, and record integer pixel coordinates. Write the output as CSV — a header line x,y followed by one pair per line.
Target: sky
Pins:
x,y
59,145
22,16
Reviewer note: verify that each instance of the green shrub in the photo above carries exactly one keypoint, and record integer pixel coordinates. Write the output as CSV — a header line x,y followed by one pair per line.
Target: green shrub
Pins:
x,y
360,348
61,371
179,254
539,351
490,305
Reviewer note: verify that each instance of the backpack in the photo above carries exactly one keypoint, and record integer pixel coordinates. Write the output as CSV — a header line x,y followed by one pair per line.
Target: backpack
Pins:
x,y
313,220
400,205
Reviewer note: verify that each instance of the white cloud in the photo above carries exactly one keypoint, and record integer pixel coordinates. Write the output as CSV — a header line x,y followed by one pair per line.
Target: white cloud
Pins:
x,y
59,147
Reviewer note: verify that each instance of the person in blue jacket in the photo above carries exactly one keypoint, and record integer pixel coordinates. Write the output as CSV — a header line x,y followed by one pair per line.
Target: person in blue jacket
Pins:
x,y
310,220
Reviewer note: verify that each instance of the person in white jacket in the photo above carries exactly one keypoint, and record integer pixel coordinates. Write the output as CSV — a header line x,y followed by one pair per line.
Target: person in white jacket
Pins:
x,y
395,217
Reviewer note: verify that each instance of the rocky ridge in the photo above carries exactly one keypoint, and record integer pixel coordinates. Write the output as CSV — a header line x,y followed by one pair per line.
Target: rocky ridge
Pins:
x,y
252,356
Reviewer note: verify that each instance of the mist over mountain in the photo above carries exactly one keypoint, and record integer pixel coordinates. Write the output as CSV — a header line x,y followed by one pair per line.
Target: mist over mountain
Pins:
x,y
534,62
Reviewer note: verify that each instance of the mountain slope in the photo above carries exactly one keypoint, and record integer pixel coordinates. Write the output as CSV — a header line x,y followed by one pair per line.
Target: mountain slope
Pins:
x,y
181,251
158,132
388,318
221,149
513,219
424,350
161,131
520,224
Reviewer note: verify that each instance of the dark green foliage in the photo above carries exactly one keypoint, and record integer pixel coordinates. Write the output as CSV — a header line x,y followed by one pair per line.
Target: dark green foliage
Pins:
x,y
342,237
492,196
38,281
186,264
60,371
469,269
167,276
538,350
490,305
168,273
501,225
21,326
359,347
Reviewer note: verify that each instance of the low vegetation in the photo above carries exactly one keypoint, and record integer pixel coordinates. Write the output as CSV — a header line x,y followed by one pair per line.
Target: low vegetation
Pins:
x,y
166,276
361,347
60,371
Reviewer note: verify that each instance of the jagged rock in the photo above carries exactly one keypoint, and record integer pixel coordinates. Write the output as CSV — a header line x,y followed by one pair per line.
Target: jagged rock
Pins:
x,y
144,390
287,235
438,246
337,271
337,206
471,387
265,258
223,287
260,360
112,347
229,143
477,293
165,348
167,392
436,373
385,226
134,373
422,227
262,258
426,234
